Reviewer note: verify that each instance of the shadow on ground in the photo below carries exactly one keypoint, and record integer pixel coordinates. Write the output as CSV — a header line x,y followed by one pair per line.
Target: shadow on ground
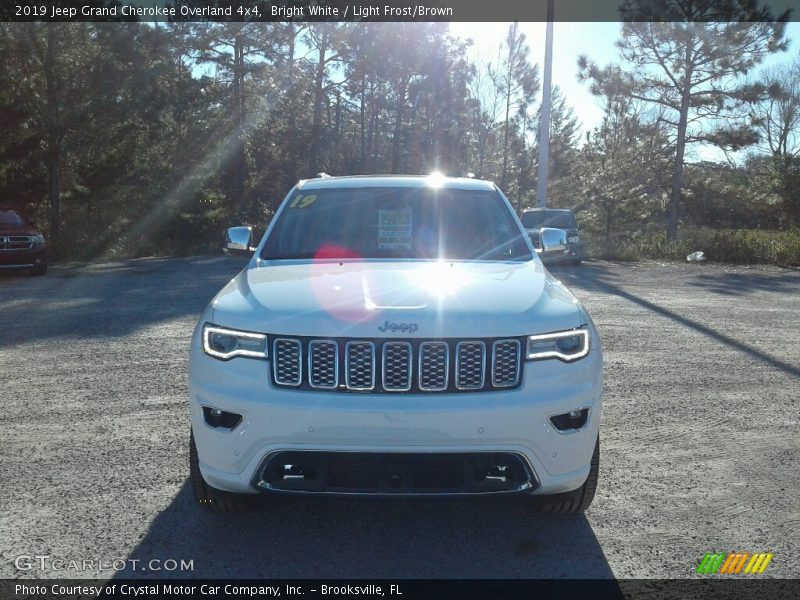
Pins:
x,y
324,537
599,277
736,284
108,300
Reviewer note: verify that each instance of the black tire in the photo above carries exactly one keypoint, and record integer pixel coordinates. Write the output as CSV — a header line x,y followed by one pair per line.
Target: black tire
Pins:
x,y
575,502
210,497
40,270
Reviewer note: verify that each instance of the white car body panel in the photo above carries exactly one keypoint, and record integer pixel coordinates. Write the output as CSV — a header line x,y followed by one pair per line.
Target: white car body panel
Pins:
x,y
354,298
359,299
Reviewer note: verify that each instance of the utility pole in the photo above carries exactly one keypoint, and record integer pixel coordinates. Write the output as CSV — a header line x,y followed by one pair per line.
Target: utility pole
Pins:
x,y
544,122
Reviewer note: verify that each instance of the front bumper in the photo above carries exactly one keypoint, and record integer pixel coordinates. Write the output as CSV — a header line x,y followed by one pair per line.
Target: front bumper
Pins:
x,y
572,252
515,422
23,259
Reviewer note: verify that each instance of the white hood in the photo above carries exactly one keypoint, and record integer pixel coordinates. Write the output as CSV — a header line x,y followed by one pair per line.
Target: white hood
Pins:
x,y
422,299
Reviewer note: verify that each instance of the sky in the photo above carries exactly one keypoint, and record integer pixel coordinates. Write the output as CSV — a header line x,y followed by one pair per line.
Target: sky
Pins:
x,y
570,40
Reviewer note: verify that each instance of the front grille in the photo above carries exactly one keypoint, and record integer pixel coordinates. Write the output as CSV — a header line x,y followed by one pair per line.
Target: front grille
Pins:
x,y
505,363
15,242
323,364
360,365
434,366
287,366
396,365
470,365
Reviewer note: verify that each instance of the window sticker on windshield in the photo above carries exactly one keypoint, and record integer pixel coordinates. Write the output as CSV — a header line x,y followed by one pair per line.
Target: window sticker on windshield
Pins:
x,y
303,201
394,229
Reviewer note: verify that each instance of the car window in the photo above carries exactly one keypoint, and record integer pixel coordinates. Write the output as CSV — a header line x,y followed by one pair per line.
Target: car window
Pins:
x,y
421,223
549,218
10,217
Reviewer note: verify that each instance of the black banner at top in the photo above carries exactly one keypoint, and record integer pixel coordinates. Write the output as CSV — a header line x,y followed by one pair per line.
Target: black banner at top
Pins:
x,y
396,10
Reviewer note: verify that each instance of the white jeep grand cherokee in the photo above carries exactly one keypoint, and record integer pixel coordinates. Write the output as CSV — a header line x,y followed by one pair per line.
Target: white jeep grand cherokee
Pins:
x,y
395,336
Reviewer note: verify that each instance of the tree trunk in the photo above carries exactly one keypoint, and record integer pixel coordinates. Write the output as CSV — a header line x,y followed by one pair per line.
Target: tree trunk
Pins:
x,y
237,188
54,187
316,127
504,175
398,125
338,112
53,135
373,122
362,123
680,149
289,91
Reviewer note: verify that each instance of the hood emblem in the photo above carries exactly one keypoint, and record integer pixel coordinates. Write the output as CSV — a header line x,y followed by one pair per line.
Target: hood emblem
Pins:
x,y
401,327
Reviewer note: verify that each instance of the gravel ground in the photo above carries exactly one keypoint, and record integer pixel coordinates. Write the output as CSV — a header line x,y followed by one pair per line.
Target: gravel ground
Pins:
x,y
700,442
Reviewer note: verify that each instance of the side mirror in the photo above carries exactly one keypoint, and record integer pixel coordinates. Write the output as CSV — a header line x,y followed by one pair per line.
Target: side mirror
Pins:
x,y
553,239
239,241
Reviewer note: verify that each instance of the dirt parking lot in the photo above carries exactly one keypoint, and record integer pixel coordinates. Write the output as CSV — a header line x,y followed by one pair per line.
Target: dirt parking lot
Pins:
x,y
699,438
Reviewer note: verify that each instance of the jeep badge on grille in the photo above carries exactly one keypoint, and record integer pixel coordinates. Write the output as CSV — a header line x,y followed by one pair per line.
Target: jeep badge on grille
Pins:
x,y
401,327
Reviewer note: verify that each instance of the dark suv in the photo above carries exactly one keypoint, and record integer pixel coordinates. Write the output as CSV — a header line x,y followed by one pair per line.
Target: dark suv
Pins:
x,y
21,244
534,219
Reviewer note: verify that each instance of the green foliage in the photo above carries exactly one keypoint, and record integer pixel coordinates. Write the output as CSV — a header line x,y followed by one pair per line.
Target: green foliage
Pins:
x,y
721,245
136,139
690,67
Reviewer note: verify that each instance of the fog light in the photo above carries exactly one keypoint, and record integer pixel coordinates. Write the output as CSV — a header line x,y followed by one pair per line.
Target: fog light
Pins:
x,y
574,419
217,418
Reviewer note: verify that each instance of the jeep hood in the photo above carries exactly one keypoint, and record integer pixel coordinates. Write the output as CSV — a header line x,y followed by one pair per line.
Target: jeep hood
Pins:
x,y
396,299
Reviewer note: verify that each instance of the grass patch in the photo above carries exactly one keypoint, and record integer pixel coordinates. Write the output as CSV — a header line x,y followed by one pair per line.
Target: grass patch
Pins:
x,y
780,248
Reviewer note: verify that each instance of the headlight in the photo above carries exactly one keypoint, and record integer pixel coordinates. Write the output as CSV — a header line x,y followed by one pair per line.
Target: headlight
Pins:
x,y
37,240
564,345
225,344
573,239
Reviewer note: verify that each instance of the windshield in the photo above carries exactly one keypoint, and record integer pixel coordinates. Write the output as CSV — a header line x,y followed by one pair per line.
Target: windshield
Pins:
x,y
9,217
549,218
421,223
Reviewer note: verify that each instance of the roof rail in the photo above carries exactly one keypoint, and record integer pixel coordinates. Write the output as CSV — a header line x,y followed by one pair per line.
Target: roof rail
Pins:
x,y
323,175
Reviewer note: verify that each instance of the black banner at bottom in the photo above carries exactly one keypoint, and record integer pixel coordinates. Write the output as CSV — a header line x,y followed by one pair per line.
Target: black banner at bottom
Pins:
x,y
399,589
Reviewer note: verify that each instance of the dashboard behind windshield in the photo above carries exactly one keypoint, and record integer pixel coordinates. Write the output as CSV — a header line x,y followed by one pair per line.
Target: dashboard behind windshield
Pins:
x,y
415,223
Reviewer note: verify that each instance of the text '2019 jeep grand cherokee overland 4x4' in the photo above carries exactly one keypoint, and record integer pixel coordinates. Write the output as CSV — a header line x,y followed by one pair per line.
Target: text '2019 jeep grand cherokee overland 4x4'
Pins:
x,y
395,335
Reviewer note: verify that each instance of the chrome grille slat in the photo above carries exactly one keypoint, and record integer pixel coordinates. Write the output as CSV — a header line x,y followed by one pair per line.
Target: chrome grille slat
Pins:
x,y
323,364
434,366
287,364
397,359
359,365
15,242
404,366
470,365
505,363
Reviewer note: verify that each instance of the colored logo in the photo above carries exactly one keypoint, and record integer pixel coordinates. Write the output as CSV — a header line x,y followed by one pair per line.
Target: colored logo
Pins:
x,y
734,563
